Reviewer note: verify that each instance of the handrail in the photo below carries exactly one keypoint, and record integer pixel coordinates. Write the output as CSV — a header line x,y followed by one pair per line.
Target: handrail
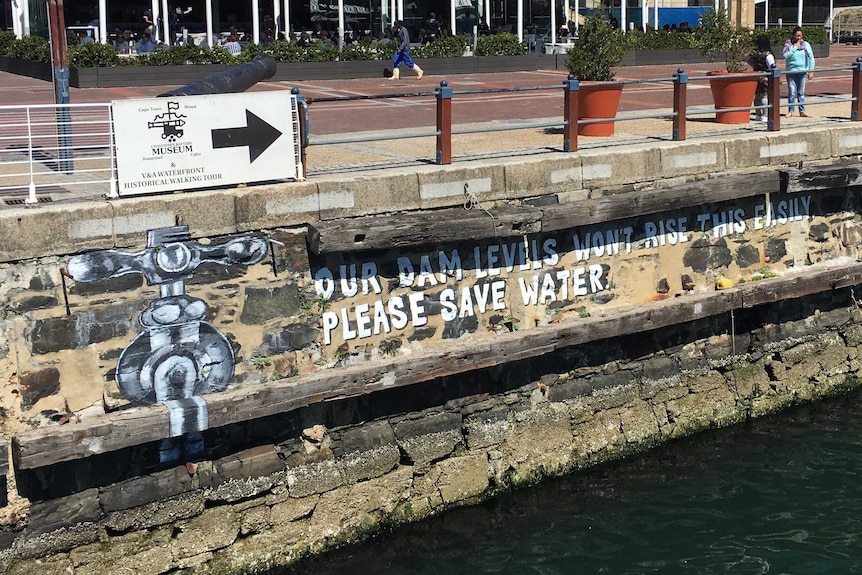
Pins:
x,y
445,95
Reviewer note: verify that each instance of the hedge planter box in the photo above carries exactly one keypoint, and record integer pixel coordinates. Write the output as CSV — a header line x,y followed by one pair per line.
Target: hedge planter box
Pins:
x,y
29,68
298,71
180,75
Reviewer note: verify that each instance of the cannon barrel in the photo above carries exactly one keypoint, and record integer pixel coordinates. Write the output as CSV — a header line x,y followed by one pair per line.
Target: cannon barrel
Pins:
x,y
237,79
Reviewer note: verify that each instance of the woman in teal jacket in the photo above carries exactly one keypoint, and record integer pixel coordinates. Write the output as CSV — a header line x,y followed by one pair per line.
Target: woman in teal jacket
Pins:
x,y
799,61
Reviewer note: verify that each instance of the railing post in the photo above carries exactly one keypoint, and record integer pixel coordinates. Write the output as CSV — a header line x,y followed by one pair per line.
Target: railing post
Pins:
x,y
680,105
773,96
571,90
302,110
444,123
857,89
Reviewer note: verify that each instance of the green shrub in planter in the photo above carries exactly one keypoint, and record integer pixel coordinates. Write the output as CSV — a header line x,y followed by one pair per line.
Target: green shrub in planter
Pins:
x,y
778,36
659,40
33,48
449,47
6,40
93,55
500,45
716,37
598,48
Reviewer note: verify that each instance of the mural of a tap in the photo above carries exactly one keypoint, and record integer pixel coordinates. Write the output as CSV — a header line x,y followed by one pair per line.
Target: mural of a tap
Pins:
x,y
179,356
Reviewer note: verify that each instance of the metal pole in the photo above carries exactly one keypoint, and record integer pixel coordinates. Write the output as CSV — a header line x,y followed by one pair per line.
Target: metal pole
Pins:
x,y
799,13
156,14
444,123
340,25
857,89
773,96
520,20
571,89
680,92
276,15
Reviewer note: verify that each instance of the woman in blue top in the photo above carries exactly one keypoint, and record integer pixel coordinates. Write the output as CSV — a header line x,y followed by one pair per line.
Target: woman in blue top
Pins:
x,y
799,61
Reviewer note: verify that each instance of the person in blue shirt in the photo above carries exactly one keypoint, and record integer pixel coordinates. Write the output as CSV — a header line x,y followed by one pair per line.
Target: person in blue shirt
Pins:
x,y
799,61
402,52
146,46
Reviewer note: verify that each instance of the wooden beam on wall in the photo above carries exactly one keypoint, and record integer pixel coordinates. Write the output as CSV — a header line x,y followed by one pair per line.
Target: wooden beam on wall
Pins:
x,y
47,446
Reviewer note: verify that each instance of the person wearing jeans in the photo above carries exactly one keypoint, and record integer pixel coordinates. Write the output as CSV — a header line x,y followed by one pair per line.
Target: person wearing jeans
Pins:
x,y
799,60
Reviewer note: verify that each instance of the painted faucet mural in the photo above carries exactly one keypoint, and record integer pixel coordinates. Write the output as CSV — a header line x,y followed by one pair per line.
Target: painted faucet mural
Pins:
x,y
179,356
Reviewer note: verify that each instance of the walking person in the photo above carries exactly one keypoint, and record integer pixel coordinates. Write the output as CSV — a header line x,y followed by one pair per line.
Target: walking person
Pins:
x,y
761,60
799,59
402,52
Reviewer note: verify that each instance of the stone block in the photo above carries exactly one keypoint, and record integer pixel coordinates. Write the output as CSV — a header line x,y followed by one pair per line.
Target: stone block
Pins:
x,y
255,462
25,303
292,509
361,465
846,140
366,437
83,328
486,428
747,153
214,529
660,367
463,477
240,489
784,148
540,441
48,516
431,437
157,513
34,385
283,204
265,304
444,186
692,158
569,390
346,196
54,229
603,168
145,489
428,424
313,478
532,176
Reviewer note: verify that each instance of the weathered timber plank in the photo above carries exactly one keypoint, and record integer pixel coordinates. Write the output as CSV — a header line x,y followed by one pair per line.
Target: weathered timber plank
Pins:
x,y
47,446
826,178
404,230
644,202
451,225
91,437
799,285
4,457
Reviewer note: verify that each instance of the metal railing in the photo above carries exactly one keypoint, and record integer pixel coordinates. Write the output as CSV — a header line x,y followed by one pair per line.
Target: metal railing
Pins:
x,y
56,148
444,96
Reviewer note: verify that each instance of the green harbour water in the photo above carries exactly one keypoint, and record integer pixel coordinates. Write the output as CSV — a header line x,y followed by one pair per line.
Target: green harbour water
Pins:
x,y
778,495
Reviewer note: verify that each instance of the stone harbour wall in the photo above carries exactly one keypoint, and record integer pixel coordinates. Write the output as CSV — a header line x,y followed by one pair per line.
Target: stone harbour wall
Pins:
x,y
346,469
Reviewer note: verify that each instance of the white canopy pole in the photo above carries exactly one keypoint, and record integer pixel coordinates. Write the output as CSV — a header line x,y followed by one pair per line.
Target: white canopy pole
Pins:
x,y
553,22
288,30
577,14
644,14
103,21
166,38
566,13
340,24
799,13
520,20
400,4
451,16
766,14
655,18
156,14
623,16
255,21
831,12
488,12
209,7
276,16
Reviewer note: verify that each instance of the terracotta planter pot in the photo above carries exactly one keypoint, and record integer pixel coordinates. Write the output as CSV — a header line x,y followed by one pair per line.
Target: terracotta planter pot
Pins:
x,y
735,92
597,101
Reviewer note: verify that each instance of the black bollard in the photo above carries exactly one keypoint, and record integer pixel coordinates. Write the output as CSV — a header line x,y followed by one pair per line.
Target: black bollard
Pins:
x,y
238,79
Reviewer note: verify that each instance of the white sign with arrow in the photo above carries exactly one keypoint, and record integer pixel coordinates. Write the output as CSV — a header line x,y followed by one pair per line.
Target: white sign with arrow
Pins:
x,y
189,142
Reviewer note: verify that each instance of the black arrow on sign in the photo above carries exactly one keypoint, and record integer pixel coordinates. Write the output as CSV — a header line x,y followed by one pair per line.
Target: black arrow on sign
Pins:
x,y
257,135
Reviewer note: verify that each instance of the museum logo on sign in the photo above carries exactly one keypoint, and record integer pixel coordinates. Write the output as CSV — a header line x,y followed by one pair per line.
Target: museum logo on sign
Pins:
x,y
170,126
